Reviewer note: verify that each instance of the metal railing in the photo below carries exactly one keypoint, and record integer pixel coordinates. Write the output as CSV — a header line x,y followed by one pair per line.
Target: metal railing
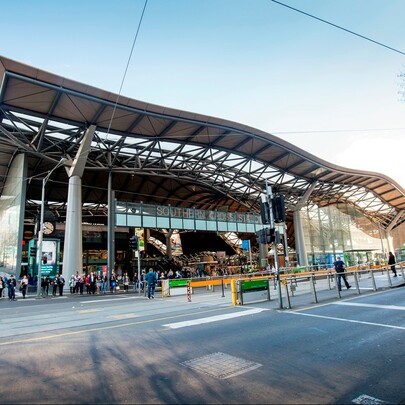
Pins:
x,y
297,287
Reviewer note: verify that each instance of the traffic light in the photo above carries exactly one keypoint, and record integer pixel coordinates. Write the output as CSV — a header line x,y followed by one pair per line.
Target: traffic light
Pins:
x,y
270,235
264,209
261,236
33,251
278,209
266,235
44,260
133,242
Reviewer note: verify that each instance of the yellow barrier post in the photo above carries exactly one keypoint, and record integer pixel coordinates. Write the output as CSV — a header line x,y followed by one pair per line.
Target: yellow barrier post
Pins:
x,y
234,292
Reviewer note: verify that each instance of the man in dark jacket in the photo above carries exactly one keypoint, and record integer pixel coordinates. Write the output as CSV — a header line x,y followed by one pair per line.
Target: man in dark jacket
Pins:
x,y
340,270
392,262
151,280
11,284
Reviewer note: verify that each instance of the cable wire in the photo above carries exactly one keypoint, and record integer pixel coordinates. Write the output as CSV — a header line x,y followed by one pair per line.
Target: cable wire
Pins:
x,y
126,68
338,26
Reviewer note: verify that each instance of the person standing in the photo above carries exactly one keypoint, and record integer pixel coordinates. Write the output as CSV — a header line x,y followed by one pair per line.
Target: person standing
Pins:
x,y
81,284
44,286
93,283
392,263
151,280
61,283
11,284
72,283
340,270
103,283
113,282
125,280
24,286
2,286
54,284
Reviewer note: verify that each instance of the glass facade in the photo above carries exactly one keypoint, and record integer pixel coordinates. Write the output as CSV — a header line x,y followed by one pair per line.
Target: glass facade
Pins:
x,y
341,230
160,216
12,210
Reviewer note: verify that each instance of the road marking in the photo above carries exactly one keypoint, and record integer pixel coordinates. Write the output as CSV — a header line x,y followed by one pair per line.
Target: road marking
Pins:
x,y
216,318
346,320
88,311
123,316
355,304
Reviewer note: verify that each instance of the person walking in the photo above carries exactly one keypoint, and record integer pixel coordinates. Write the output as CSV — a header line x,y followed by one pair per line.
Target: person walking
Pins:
x,y
341,273
24,286
11,284
392,263
151,280
143,280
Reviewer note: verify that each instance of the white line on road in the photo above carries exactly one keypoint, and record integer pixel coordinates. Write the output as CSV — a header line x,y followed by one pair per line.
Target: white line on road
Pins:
x,y
346,320
356,304
216,318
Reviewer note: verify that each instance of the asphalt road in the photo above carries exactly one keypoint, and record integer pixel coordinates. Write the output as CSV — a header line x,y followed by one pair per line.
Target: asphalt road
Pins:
x,y
127,349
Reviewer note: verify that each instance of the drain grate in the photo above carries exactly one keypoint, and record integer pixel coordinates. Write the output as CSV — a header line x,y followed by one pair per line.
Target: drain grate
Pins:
x,y
221,365
367,400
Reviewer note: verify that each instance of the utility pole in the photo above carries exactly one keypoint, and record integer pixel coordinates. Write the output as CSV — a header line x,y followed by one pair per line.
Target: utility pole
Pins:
x,y
273,212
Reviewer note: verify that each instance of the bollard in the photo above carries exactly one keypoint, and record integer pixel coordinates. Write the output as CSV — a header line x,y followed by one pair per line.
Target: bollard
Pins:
x,y
329,276
336,285
240,291
389,276
234,292
286,293
292,286
356,280
313,288
188,292
373,280
268,289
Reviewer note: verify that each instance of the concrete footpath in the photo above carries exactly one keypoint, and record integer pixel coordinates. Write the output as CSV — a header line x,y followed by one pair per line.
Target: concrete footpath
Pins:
x,y
296,292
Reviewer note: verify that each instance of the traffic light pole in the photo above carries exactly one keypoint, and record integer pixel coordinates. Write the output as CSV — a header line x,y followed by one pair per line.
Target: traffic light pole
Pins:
x,y
134,246
139,267
276,241
41,226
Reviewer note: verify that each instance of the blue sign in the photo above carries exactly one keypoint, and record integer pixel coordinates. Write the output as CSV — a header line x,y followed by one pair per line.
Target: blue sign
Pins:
x,y
245,244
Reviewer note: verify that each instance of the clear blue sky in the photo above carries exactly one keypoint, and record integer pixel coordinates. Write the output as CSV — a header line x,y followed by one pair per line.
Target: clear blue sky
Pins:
x,y
331,93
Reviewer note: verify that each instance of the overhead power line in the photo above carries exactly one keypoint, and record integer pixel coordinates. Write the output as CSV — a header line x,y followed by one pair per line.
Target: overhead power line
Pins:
x,y
126,68
339,27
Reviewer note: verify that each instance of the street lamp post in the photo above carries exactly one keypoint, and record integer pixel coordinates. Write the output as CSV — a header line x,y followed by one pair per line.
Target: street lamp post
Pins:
x,y
41,224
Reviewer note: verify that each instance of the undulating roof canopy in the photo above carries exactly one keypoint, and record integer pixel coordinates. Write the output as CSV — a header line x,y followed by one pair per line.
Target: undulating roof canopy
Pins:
x,y
165,156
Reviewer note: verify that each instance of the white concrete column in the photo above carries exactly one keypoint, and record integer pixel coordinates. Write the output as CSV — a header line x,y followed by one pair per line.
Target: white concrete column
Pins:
x,y
73,248
299,240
